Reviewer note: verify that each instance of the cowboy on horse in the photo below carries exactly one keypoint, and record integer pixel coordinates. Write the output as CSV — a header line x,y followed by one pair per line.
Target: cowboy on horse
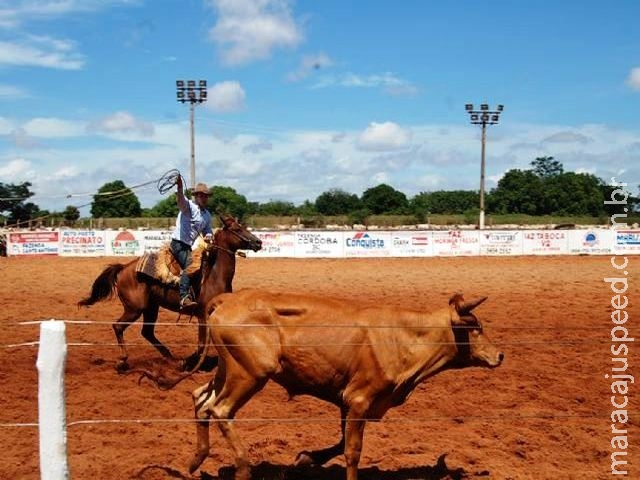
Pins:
x,y
193,220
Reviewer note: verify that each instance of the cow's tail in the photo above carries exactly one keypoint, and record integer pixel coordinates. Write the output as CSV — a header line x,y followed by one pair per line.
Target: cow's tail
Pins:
x,y
104,286
165,383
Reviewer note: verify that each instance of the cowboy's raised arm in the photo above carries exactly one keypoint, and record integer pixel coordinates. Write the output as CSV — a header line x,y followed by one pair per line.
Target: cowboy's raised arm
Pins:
x,y
183,203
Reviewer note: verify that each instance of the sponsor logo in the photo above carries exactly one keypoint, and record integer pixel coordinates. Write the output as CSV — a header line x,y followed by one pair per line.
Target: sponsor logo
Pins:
x,y
316,239
125,244
422,240
590,240
628,238
500,237
364,240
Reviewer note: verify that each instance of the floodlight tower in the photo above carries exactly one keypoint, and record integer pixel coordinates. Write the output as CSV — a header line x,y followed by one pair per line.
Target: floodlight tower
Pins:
x,y
189,92
483,117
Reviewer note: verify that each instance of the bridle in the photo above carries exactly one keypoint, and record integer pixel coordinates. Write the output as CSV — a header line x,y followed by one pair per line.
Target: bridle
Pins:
x,y
239,236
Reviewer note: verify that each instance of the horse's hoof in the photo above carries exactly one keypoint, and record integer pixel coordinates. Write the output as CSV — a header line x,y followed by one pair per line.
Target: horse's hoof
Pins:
x,y
122,366
304,459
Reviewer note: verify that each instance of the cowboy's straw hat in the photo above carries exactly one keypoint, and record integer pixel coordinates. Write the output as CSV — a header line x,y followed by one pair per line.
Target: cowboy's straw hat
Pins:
x,y
201,188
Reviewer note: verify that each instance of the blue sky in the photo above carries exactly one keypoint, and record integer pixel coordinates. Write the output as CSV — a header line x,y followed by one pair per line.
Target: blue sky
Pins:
x,y
305,96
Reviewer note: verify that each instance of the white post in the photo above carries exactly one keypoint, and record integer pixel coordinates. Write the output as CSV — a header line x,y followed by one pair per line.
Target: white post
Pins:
x,y
51,405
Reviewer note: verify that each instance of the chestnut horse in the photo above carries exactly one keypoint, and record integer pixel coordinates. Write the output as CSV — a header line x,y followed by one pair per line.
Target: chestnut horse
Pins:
x,y
143,295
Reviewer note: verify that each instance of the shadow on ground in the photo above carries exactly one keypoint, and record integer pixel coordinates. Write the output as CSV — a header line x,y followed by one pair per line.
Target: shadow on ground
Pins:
x,y
268,471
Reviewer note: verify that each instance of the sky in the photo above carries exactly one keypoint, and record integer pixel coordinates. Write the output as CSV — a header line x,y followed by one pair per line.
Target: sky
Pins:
x,y
305,96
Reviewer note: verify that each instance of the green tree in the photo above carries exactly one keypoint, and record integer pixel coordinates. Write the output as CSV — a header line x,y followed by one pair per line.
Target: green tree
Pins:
x,y
337,202
167,207
547,167
71,214
113,200
573,193
227,200
13,203
277,207
445,202
518,191
384,199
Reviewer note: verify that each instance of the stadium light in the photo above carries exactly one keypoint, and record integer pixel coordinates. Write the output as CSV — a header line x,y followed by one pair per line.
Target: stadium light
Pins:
x,y
189,92
483,117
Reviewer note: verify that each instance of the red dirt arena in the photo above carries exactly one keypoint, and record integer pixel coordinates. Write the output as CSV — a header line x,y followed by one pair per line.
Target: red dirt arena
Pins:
x,y
544,414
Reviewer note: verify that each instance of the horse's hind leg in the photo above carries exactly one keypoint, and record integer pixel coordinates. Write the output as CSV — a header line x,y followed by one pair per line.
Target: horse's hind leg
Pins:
x,y
127,318
150,315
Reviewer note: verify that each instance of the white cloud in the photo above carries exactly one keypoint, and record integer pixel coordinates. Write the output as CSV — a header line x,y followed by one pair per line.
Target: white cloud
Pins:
x,y
383,137
6,126
249,30
226,97
12,92
53,128
567,137
16,170
17,12
308,65
122,122
389,82
634,78
41,51
299,165
257,147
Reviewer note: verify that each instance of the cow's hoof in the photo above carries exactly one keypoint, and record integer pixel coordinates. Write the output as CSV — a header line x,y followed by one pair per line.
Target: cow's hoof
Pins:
x,y
304,459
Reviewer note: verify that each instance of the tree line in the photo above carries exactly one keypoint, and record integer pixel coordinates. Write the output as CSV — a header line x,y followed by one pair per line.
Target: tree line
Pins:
x,y
543,189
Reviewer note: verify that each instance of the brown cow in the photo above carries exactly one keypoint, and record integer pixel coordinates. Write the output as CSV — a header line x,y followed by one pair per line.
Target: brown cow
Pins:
x,y
364,359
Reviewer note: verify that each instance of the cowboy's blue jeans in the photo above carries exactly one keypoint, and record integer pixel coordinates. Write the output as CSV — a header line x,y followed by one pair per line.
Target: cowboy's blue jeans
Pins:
x,y
182,252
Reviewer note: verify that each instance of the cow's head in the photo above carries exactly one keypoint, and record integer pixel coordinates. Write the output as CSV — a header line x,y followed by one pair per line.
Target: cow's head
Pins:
x,y
474,348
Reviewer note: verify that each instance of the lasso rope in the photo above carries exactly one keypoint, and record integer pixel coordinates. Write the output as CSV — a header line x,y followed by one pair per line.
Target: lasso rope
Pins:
x,y
164,184
167,181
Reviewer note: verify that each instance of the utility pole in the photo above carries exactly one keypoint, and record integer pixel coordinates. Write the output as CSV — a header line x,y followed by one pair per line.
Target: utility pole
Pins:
x,y
483,117
193,94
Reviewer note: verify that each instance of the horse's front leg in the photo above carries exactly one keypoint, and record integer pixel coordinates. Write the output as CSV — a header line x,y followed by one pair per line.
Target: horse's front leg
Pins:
x,y
150,315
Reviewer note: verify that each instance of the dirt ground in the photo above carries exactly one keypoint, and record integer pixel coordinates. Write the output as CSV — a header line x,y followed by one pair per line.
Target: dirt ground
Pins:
x,y
544,414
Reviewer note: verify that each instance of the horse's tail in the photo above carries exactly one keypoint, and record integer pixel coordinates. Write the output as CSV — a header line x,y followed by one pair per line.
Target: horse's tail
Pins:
x,y
104,286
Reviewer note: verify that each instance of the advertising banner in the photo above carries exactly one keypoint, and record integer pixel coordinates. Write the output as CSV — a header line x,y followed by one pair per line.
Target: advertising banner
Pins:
x,y
500,242
367,244
627,241
32,243
83,243
275,244
152,240
319,244
456,242
411,244
124,243
545,242
590,242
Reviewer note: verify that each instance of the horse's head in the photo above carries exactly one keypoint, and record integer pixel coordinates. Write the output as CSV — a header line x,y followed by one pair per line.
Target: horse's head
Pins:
x,y
235,236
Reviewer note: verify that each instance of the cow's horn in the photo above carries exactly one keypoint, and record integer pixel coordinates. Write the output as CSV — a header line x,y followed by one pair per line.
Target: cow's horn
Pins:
x,y
466,307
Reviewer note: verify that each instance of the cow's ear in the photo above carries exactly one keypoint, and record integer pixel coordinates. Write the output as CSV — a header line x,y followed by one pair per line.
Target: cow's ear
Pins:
x,y
454,304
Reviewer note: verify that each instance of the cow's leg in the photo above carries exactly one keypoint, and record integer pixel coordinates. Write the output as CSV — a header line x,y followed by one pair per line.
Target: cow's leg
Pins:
x,y
242,388
203,398
320,457
353,443
150,315
126,319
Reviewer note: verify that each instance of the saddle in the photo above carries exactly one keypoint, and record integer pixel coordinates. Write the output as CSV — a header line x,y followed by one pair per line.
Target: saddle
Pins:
x,y
163,266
